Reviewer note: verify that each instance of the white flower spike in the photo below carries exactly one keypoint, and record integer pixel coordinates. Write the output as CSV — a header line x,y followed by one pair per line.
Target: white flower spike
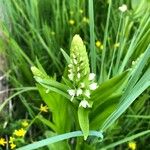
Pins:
x,y
91,76
93,86
84,104
123,8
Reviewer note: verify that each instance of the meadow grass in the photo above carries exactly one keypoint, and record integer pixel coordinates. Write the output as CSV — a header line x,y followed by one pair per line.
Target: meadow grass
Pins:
x,y
33,34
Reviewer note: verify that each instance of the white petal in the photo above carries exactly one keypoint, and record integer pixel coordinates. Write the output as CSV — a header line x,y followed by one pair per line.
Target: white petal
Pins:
x,y
82,85
70,65
70,76
84,104
93,86
78,68
87,93
75,61
78,75
91,76
79,92
71,92
123,8
70,70
73,55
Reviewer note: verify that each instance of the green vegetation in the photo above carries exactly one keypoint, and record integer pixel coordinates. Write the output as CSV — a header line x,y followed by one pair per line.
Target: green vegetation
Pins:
x,y
78,74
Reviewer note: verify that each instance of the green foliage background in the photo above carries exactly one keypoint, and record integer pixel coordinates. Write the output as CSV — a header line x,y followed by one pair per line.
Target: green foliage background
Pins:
x,y
33,33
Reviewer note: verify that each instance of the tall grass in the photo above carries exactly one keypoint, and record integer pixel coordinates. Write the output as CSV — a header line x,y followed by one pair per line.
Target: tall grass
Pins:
x,y
35,31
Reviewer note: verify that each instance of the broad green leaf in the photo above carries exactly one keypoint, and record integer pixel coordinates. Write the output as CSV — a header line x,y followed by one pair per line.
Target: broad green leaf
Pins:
x,y
52,85
83,116
49,98
109,88
127,98
57,105
106,99
99,115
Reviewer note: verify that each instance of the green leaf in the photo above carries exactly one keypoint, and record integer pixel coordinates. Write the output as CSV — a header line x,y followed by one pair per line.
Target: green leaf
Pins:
x,y
140,103
47,122
57,105
140,6
58,138
106,99
66,56
126,139
49,98
92,36
40,66
109,88
62,145
135,3
54,86
98,116
83,116
128,97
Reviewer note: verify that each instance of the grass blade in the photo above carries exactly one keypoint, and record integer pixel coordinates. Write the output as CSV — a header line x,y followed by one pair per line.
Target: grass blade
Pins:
x,y
58,138
92,37
126,140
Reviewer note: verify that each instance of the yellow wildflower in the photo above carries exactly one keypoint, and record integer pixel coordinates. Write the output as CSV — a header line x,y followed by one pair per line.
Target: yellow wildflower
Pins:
x,y
132,145
116,45
85,20
98,44
11,139
43,108
71,22
24,123
20,132
12,146
81,11
2,141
